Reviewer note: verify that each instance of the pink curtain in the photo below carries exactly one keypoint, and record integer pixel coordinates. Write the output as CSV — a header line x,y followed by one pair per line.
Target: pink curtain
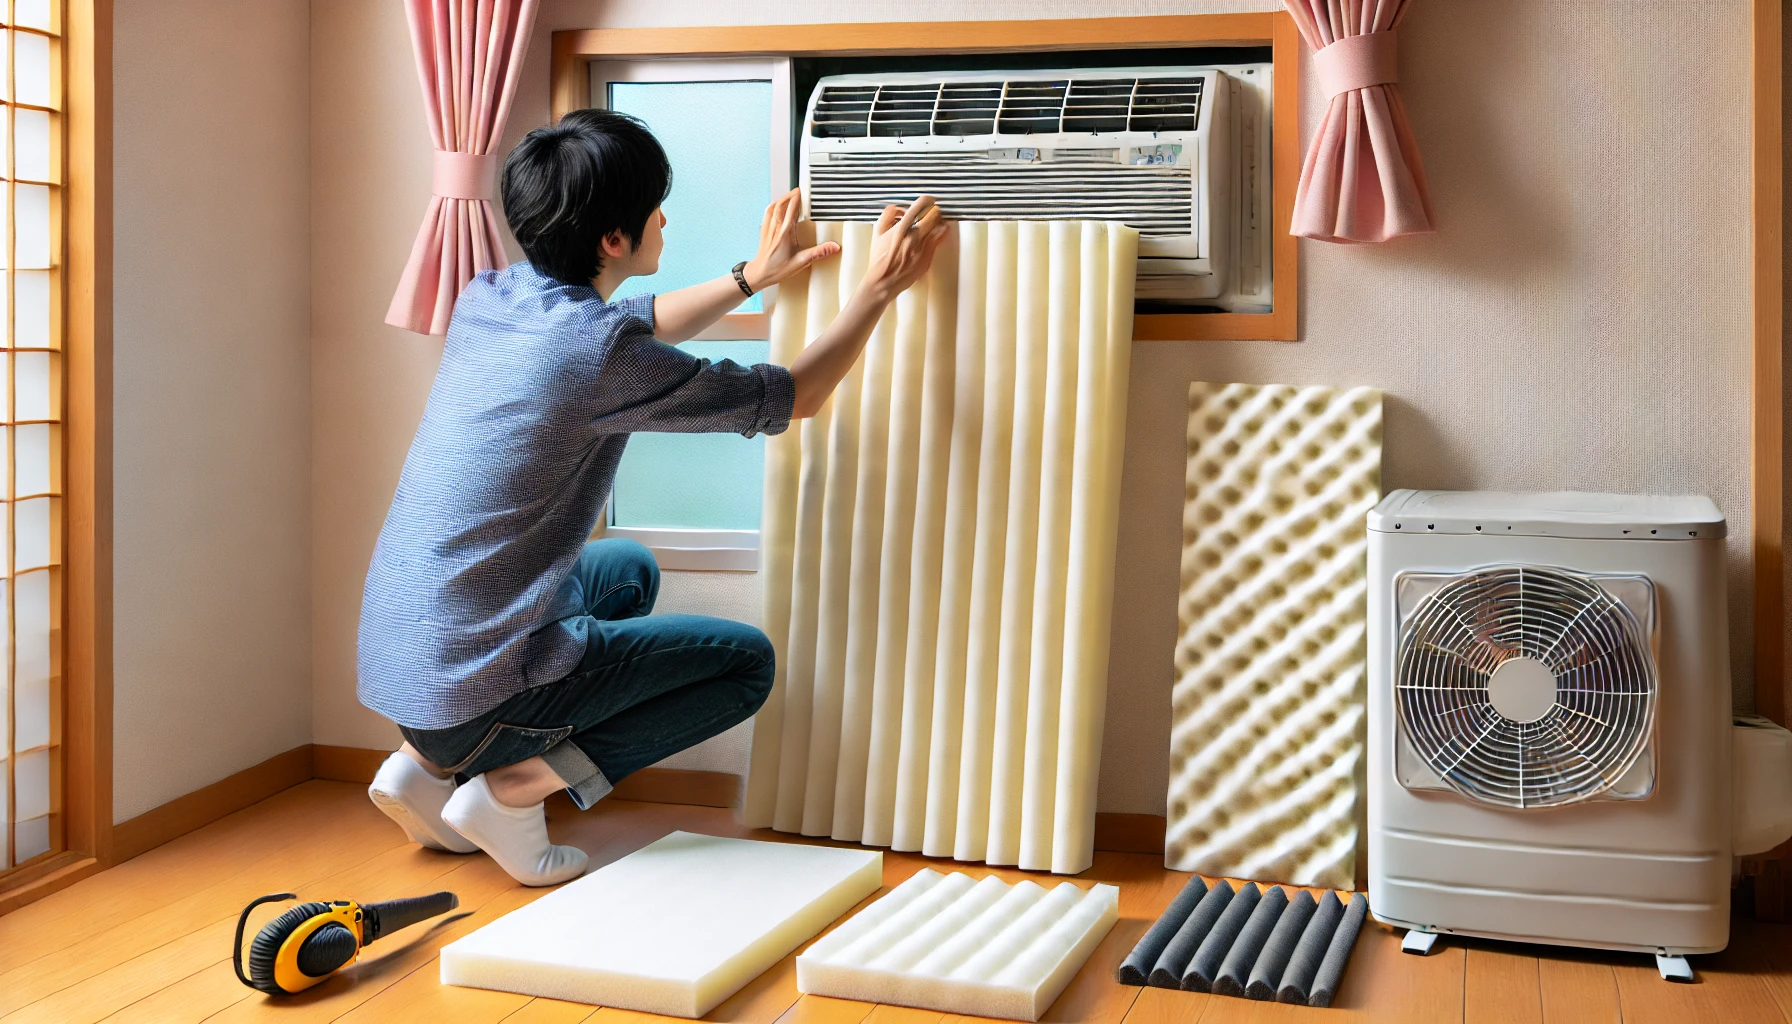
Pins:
x,y
469,55
1362,181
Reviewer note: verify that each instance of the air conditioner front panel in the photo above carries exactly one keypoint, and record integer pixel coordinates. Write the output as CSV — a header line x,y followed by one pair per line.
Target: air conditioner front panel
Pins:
x,y
1152,148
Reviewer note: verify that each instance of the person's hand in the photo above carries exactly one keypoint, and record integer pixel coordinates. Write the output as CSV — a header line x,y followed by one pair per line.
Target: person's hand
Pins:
x,y
780,252
902,248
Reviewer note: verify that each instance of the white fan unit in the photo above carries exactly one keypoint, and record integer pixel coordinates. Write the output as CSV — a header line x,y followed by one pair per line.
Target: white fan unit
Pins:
x,y
1182,154
1549,720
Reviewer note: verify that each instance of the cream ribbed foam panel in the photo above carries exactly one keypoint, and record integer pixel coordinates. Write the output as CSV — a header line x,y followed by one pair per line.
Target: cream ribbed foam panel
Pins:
x,y
957,945
1267,706
938,551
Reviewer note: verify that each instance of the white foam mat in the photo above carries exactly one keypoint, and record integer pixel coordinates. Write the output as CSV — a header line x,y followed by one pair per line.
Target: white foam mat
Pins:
x,y
673,928
958,945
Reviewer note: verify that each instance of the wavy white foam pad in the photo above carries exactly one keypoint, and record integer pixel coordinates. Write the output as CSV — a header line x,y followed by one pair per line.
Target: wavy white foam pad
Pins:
x,y
673,928
953,944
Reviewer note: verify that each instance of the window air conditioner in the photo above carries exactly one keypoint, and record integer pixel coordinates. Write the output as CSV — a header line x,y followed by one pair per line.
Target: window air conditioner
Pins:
x,y
1182,154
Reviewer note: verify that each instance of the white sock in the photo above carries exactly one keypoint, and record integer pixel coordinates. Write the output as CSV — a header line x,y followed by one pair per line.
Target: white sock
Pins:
x,y
516,837
412,797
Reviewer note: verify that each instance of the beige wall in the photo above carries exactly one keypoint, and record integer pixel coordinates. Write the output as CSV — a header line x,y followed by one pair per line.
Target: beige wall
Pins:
x,y
1581,321
213,427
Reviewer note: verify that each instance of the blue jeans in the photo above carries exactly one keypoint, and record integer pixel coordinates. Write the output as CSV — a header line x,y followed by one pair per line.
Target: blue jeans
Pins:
x,y
647,687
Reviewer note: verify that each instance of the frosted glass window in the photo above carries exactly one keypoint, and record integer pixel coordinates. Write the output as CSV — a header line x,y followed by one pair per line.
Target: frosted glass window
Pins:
x,y
32,13
31,144
31,68
31,207
32,626
33,539
694,481
718,137
31,700
36,461
35,386
31,308
32,838
31,785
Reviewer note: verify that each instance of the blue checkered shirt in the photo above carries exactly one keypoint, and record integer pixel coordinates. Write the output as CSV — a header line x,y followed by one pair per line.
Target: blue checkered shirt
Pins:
x,y
467,600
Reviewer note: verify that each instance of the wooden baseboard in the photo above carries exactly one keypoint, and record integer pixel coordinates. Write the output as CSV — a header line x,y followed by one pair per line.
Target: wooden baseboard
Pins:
x,y
1129,833
346,764
678,786
177,817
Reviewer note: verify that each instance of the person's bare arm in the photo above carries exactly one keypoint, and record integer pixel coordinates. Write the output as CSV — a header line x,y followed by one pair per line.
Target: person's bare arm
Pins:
x,y
902,250
683,314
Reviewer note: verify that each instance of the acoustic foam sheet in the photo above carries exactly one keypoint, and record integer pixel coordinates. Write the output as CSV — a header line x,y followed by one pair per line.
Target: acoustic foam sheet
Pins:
x,y
673,928
939,547
1267,702
1263,944
957,945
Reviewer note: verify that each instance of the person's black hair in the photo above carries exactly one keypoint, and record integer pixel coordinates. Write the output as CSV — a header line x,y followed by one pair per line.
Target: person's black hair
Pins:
x,y
568,186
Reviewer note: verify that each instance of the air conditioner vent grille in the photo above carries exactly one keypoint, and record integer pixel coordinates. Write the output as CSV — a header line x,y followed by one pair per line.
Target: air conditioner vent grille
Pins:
x,y
973,186
968,108
841,111
1013,107
1458,716
1166,105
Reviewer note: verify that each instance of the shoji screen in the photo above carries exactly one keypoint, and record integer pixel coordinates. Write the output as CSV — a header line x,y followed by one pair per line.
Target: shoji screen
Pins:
x,y
31,592
938,551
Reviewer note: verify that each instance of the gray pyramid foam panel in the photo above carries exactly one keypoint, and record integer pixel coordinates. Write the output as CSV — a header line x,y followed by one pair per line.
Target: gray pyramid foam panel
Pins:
x,y
1267,944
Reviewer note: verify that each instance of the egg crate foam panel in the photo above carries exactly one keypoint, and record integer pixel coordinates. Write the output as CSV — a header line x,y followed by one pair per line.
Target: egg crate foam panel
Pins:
x,y
673,928
958,945
1267,706
1264,944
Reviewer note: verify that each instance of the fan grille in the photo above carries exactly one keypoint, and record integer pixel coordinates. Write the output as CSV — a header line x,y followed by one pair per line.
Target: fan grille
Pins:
x,y
1605,686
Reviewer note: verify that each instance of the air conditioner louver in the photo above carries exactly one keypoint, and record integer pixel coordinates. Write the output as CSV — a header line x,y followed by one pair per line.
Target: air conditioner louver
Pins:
x,y
1525,687
973,186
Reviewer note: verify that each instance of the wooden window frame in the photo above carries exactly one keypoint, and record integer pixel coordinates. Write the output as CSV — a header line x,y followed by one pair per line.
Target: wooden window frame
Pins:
x,y
87,481
574,50
1767,381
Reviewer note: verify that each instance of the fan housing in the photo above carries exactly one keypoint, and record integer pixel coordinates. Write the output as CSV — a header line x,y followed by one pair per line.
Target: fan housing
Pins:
x,y
1525,686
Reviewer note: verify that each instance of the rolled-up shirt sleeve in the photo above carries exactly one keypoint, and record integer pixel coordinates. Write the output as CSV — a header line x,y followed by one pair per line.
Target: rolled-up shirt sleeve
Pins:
x,y
649,385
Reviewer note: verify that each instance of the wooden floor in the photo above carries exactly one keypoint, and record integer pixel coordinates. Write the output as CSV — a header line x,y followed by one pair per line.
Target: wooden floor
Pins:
x,y
149,940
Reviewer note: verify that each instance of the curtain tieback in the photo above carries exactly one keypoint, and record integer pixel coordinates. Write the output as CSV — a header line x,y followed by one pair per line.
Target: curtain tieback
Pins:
x,y
1357,62
464,175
